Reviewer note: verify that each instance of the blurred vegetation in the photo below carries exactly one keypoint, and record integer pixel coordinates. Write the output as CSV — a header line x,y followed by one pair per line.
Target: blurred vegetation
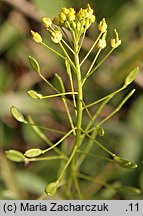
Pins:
x,y
124,132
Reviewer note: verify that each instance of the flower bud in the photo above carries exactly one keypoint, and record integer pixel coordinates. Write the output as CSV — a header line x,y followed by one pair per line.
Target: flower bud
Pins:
x,y
81,14
92,19
71,10
73,25
70,17
56,20
65,10
78,26
56,36
62,17
101,43
47,22
102,25
36,37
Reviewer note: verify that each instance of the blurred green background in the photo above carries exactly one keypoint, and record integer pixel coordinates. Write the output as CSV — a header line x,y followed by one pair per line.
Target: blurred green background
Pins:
x,y
123,133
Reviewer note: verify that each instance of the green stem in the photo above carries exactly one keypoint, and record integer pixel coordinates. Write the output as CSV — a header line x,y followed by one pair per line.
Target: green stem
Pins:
x,y
105,149
54,51
45,128
96,156
91,49
67,164
58,95
53,146
117,109
46,81
42,135
69,115
93,135
68,46
77,187
106,97
45,158
91,66
67,56
97,66
79,114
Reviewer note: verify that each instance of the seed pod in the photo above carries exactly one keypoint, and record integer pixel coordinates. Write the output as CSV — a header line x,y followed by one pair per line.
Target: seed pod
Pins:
x,y
128,190
51,188
17,114
15,156
59,83
33,94
125,163
33,152
68,68
131,76
34,64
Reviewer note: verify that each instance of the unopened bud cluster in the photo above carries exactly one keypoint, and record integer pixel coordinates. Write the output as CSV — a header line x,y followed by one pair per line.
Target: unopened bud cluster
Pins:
x,y
76,23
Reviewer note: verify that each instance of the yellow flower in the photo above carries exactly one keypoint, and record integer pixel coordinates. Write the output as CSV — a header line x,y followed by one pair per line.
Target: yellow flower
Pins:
x,y
36,37
115,41
47,21
89,11
102,25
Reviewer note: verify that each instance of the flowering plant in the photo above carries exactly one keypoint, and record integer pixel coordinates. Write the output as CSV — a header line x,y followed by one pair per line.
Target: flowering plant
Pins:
x,y
68,31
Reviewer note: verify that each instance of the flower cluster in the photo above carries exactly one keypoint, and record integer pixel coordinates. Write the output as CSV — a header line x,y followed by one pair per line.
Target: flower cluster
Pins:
x,y
76,23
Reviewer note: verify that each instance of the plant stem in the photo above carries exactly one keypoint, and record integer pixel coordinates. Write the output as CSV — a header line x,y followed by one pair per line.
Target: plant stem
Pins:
x,y
91,49
64,137
103,147
91,66
95,68
79,116
58,95
54,51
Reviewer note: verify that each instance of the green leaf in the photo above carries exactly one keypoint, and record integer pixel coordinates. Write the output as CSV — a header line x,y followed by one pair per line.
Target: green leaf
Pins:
x,y
128,190
33,152
15,156
33,94
17,114
34,64
59,83
131,76
124,163
51,188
